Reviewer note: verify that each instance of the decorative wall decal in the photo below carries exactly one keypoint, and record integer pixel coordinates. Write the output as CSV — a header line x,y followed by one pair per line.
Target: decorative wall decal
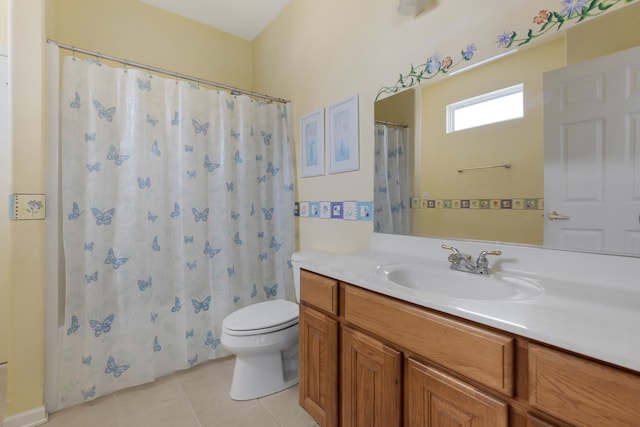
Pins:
x,y
347,210
27,206
350,210
546,20
434,66
519,204
572,10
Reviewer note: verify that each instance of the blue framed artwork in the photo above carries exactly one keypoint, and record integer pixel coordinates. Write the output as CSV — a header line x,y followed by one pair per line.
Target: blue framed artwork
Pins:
x,y
343,135
312,144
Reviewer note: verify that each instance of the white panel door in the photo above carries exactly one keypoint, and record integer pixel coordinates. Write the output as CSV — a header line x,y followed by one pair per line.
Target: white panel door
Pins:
x,y
592,154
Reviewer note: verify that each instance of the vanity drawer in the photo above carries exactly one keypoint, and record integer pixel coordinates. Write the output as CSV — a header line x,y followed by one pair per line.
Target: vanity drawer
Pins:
x,y
319,291
581,391
481,355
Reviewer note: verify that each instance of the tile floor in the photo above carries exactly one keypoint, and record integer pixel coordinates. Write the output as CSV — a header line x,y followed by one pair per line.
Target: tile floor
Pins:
x,y
198,397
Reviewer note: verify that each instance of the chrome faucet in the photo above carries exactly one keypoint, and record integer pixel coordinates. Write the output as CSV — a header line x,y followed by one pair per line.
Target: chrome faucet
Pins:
x,y
463,262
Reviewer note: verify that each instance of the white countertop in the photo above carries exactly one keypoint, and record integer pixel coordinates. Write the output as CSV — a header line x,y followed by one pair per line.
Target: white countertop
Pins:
x,y
590,303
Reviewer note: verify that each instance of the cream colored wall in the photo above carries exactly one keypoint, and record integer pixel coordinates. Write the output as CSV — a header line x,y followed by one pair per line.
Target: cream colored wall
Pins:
x,y
518,142
317,53
26,342
618,30
134,30
4,222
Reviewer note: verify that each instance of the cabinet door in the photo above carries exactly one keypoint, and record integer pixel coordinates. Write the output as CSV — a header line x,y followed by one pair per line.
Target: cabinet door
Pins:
x,y
435,399
580,391
371,382
318,366
534,420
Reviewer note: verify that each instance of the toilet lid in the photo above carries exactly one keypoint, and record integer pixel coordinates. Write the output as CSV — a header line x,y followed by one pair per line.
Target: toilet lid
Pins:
x,y
262,317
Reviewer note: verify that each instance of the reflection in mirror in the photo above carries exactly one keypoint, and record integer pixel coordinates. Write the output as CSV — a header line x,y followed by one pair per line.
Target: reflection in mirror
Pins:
x,y
494,203
394,172
391,177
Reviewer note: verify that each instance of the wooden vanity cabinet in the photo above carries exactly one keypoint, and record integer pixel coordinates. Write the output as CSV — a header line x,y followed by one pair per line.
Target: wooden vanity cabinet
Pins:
x,y
434,398
371,378
369,360
581,391
318,345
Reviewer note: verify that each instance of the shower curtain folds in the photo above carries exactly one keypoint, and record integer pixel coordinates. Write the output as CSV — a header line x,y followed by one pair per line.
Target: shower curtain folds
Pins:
x,y
391,180
177,210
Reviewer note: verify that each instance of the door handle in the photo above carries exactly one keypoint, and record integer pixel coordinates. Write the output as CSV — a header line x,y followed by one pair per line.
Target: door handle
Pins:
x,y
553,215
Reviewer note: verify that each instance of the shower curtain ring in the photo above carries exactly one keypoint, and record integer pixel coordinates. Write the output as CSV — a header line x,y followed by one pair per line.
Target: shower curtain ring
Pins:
x,y
73,51
149,71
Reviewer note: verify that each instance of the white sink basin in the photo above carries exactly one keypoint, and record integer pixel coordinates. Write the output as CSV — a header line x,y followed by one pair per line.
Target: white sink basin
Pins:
x,y
441,280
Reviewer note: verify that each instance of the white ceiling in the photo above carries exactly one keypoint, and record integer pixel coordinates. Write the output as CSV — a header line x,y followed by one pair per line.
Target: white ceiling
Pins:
x,y
242,18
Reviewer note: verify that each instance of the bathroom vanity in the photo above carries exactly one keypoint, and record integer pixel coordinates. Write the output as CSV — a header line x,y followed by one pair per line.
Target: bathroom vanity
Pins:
x,y
376,353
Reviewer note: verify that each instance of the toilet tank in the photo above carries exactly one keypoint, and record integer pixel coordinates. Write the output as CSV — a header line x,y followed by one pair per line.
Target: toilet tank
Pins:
x,y
296,258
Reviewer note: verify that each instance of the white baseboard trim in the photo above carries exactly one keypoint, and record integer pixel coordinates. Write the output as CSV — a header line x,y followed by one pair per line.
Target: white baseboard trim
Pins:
x,y
31,418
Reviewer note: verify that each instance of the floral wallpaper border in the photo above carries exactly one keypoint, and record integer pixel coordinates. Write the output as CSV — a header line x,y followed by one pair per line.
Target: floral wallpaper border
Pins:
x,y
27,206
347,210
515,204
363,210
545,20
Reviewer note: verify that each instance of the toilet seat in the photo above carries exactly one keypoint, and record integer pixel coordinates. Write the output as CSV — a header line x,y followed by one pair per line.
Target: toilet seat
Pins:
x,y
261,318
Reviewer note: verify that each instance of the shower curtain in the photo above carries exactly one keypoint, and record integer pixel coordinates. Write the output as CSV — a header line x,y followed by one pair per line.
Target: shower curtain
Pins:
x,y
177,210
391,181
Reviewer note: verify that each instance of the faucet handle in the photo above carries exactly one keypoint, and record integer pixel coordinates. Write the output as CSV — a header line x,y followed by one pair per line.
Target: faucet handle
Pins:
x,y
454,250
456,256
485,253
482,258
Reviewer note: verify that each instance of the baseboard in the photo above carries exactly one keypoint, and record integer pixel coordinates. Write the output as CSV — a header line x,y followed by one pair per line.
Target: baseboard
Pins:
x,y
31,418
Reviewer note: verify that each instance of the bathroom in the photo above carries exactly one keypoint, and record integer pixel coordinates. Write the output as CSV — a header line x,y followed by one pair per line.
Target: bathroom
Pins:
x,y
313,54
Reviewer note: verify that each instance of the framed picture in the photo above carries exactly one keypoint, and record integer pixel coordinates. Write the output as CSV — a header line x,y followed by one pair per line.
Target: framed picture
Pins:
x,y
343,135
312,144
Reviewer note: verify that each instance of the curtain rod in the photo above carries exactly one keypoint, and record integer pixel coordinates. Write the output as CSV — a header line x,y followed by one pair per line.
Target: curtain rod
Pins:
x,y
384,122
231,89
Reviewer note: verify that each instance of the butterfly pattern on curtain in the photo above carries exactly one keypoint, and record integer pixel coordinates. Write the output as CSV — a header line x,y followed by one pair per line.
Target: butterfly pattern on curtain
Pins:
x,y
178,209
391,181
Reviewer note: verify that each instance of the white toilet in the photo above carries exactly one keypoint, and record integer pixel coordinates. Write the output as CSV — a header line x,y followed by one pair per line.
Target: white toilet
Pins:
x,y
264,338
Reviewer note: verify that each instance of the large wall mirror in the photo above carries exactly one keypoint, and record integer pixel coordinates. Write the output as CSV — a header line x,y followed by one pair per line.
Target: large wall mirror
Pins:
x,y
517,180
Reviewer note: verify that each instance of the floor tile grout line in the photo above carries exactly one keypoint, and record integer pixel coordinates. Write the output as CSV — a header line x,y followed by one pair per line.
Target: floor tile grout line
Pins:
x,y
269,411
186,396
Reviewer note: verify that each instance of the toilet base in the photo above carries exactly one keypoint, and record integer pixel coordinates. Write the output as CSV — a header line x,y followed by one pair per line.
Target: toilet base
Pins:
x,y
259,375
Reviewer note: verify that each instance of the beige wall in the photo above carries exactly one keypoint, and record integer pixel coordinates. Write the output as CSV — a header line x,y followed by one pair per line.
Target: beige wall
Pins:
x,y
26,342
619,31
133,30
4,190
517,142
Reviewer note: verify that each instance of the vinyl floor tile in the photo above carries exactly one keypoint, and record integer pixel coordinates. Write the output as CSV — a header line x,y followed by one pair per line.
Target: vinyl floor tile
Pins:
x,y
196,397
